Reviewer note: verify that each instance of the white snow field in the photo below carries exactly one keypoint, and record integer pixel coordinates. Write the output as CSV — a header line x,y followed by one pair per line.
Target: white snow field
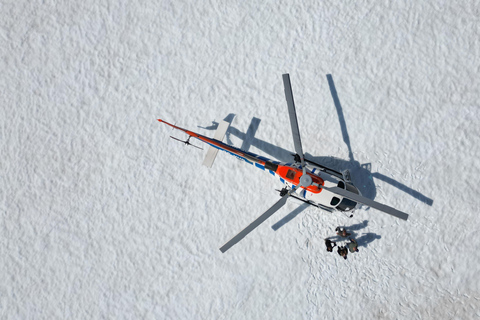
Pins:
x,y
105,217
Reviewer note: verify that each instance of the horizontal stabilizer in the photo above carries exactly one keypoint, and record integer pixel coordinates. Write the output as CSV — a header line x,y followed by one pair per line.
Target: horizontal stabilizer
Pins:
x,y
212,151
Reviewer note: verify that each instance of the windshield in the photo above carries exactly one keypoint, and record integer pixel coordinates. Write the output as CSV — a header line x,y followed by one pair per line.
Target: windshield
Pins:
x,y
347,204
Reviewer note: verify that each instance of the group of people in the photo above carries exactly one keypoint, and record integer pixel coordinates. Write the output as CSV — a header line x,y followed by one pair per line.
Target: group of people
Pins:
x,y
342,250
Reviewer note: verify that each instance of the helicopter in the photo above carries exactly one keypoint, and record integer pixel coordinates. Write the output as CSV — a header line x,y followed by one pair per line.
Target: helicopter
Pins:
x,y
303,179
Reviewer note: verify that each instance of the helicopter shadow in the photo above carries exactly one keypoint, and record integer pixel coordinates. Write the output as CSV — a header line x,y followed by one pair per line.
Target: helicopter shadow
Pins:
x,y
361,174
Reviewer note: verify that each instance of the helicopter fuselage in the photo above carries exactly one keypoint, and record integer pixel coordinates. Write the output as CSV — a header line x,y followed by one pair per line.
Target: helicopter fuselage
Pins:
x,y
290,173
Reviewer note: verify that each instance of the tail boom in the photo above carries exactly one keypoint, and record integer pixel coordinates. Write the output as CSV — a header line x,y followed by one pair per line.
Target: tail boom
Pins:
x,y
247,156
284,171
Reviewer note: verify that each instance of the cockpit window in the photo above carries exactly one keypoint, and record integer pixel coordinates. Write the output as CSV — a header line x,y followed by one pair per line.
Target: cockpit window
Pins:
x,y
291,174
352,188
334,201
347,204
341,185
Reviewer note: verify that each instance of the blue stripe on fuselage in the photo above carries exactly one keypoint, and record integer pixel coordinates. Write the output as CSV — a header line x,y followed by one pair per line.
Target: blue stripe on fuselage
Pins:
x,y
243,158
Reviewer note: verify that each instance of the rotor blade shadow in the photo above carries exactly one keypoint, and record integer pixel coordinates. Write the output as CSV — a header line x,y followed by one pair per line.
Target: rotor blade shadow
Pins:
x,y
229,118
270,149
242,234
250,135
214,124
248,139
341,118
289,217
417,195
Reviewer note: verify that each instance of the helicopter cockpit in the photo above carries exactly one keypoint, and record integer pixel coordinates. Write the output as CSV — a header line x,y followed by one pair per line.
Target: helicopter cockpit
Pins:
x,y
345,204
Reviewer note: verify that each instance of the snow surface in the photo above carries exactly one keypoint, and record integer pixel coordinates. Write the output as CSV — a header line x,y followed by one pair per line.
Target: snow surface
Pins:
x,y
105,216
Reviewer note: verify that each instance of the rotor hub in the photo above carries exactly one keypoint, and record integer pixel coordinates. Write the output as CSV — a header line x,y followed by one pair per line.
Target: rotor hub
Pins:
x,y
305,180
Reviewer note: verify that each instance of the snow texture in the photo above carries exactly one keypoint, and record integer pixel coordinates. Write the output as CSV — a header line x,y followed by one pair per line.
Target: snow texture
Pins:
x,y
105,216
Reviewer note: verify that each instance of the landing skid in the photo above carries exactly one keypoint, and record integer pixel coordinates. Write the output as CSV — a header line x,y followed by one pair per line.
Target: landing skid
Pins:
x,y
293,195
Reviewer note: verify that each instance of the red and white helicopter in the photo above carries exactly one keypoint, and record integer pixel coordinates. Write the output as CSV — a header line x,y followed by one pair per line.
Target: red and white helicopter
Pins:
x,y
304,180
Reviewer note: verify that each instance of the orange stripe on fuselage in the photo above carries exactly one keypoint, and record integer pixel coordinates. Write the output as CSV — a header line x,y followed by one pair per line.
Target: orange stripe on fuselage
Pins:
x,y
293,175
218,144
288,173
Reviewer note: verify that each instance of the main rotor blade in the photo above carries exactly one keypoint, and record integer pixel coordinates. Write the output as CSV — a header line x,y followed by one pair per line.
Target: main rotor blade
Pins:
x,y
257,222
293,117
355,197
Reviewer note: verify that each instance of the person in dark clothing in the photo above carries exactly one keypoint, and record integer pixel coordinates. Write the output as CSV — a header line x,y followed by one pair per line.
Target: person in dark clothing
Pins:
x,y
343,252
329,245
353,246
342,233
